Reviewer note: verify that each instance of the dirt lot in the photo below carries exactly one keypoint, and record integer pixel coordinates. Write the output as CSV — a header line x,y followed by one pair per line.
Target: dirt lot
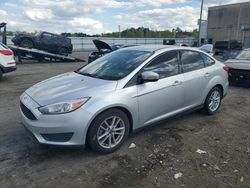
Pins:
x,y
161,151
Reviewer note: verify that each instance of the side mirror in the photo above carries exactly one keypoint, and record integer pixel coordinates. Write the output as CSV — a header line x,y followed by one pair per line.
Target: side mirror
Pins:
x,y
149,76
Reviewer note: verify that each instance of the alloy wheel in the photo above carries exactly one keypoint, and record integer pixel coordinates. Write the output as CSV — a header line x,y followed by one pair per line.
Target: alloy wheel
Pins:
x,y
214,101
110,132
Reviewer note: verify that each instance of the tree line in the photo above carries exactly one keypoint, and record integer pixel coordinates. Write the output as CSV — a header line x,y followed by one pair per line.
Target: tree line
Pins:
x,y
139,32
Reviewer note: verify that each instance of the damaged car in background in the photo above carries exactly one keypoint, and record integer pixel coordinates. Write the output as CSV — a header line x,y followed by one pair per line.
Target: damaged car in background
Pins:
x,y
7,61
239,69
103,48
46,41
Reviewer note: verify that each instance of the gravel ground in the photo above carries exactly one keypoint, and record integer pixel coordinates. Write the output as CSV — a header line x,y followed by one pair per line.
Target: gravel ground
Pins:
x,y
162,152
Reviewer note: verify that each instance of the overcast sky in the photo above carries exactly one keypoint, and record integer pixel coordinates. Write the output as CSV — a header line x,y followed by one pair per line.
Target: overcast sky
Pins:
x,y
99,16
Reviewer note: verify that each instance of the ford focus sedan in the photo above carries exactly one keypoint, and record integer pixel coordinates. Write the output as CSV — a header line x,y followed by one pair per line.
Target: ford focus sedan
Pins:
x,y
100,104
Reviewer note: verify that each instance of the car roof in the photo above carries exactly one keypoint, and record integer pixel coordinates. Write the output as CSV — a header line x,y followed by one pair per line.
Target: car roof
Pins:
x,y
159,48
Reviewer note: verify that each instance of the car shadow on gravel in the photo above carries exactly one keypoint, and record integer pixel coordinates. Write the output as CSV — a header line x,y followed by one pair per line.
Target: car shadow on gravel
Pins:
x,y
164,131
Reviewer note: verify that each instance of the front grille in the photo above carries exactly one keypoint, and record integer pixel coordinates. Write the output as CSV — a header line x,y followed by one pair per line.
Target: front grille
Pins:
x,y
239,77
27,112
58,137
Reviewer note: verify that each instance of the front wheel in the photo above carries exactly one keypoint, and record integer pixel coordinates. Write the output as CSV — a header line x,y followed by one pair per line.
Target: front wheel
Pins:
x,y
1,74
64,51
26,43
108,131
213,101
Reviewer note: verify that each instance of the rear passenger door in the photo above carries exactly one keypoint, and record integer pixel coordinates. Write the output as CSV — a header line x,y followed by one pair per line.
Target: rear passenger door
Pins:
x,y
196,77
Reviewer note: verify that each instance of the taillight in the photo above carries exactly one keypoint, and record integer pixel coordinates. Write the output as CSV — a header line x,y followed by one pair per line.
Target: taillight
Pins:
x,y
6,52
226,68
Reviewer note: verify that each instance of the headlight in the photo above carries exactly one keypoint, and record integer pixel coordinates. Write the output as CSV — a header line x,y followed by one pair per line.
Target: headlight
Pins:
x,y
63,107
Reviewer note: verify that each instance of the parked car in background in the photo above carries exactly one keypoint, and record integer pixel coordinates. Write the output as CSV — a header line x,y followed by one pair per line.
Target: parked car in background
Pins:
x,y
208,48
231,54
221,46
103,48
123,91
49,42
239,69
7,62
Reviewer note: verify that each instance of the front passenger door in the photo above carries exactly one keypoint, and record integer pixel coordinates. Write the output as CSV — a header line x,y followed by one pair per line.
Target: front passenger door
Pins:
x,y
160,99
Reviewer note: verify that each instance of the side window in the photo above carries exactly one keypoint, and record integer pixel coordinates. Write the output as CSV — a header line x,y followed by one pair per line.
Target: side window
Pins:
x,y
208,61
47,35
165,65
191,61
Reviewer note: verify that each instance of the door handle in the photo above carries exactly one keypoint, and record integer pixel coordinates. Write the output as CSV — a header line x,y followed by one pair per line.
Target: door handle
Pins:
x,y
176,83
207,74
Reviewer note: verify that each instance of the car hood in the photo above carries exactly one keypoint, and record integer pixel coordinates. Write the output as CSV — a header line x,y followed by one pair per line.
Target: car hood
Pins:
x,y
238,64
20,36
68,86
100,45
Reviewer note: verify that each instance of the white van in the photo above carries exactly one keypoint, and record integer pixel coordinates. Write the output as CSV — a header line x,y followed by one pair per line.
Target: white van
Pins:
x,y
7,61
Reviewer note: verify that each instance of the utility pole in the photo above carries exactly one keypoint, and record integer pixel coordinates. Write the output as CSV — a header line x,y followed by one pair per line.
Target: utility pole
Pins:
x,y
4,37
119,28
199,41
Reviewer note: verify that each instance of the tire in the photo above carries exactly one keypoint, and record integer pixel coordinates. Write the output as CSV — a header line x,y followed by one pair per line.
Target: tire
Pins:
x,y
101,136
213,101
26,43
1,74
63,51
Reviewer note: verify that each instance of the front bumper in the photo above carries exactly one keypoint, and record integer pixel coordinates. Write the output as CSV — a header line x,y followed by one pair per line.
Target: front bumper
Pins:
x,y
62,129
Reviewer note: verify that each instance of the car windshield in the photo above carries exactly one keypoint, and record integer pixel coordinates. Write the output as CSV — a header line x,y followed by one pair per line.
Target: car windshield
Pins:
x,y
38,34
116,65
244,55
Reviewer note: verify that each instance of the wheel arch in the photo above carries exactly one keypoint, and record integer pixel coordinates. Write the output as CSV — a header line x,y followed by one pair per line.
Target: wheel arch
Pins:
x,y
220,87
217,81
1,69
27,38
122,108
64,47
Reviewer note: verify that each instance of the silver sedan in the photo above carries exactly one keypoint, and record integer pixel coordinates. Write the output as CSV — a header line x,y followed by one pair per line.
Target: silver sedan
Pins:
x,y
101,103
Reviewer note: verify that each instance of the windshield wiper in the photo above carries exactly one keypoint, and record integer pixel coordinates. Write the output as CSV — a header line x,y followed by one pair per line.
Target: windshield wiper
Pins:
x,y
87,74
96,76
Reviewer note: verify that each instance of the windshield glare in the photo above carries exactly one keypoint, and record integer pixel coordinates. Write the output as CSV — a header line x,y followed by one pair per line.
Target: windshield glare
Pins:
x,y
244,55
116,65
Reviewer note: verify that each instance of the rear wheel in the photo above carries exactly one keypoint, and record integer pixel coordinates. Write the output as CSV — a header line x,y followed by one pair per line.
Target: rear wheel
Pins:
x,y
1,74
108,131
64,51
213,101
26,43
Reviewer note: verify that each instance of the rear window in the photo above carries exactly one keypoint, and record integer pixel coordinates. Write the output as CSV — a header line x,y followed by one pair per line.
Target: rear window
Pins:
x,y
221,43
244,55
207,60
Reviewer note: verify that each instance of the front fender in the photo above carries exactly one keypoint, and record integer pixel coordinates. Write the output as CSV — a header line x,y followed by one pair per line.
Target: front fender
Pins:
x,y
125,99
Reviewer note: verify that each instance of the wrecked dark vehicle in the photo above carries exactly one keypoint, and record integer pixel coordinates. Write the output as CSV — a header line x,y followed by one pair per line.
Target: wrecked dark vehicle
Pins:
x,y
49,42
221,46
103,48
239,69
